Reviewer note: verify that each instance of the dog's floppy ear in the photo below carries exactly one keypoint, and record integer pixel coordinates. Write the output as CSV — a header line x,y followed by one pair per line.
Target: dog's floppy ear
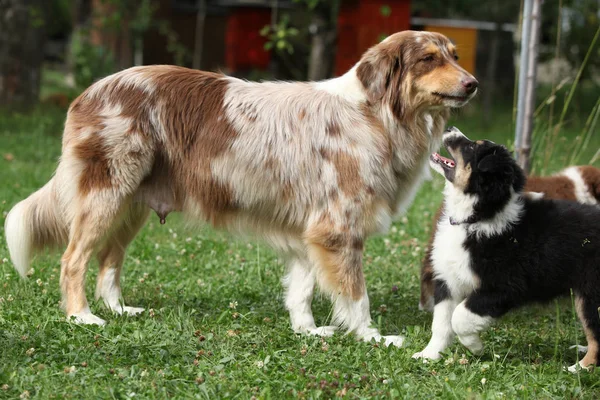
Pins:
x,y
496,161
374,72
491,163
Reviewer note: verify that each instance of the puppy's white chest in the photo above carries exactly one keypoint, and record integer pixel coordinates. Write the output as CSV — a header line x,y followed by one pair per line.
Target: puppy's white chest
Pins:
x,y
451,262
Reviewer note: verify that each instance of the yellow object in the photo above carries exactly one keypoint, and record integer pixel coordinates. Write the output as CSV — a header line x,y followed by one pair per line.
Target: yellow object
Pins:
x,y
465,40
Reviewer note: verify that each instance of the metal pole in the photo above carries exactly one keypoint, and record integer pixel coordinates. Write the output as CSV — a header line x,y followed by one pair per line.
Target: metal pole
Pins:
x,y
523,62
529,103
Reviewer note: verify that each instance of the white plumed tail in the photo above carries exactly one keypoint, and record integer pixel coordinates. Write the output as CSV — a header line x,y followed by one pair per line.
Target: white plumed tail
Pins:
x,y
33,225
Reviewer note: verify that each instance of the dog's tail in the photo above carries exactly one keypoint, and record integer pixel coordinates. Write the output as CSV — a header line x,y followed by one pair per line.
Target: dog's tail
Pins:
x,y
33,225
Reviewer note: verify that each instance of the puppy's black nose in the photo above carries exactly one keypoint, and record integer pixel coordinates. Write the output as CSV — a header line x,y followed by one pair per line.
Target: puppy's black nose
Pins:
x,y
470,84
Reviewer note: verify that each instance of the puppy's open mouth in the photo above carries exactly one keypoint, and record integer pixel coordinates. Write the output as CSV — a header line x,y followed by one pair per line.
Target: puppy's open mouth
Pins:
x,y
443,161
450,97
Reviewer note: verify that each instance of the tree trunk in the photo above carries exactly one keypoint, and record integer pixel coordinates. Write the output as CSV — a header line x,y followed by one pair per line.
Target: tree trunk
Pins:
x,y
22,38
324,31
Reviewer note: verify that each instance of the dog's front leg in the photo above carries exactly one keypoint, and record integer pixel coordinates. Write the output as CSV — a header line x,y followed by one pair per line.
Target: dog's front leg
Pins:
x,y
441,328
467,324
337,257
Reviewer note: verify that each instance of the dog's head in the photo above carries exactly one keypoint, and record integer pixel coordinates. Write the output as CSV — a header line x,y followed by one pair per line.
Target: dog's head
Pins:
x,y
482,168
415,70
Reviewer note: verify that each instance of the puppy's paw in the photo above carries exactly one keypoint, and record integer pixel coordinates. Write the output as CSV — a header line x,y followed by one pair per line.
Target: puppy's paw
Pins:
x,y
473,343
426,355
393,340
128,310
323,331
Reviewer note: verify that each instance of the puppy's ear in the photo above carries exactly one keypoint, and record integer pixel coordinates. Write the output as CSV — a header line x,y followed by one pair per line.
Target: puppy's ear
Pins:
x,y
375,72
492,163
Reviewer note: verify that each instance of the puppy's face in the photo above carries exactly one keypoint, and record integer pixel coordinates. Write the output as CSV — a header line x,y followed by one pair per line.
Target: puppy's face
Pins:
x,y
481,167
412,70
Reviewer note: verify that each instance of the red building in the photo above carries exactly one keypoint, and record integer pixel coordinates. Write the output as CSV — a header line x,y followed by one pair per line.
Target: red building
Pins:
x,y
362,24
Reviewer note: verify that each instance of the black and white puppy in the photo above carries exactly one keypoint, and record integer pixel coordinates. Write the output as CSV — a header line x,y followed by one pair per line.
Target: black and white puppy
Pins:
x,y
497,249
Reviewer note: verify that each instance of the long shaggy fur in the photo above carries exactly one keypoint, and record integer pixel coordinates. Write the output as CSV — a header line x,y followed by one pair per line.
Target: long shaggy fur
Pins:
x,y
313,168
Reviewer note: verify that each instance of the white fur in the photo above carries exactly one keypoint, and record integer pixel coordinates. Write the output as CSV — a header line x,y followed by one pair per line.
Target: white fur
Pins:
x,y
346,86
578,367
18,237
451,262
355,316
109,291
582,191
467,325
510,215
85,317
441,328
457,204
460,206
453,132
533,195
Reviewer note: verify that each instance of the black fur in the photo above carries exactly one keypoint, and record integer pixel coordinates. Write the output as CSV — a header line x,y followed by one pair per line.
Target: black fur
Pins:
x,y
440,291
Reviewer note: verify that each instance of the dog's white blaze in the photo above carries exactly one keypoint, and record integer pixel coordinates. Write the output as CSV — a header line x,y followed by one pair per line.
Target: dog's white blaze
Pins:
x,y
441,331
582,191
453,132
467,325
347,86
451,262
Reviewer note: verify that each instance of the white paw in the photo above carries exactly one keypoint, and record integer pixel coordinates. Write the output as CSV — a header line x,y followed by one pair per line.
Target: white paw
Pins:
x,y
324,331
393,340
427,355
473,343
578,367
86,318
581,349
128,310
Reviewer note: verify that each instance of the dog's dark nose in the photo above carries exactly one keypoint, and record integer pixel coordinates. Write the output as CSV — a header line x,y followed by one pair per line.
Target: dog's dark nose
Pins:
x,y
470,84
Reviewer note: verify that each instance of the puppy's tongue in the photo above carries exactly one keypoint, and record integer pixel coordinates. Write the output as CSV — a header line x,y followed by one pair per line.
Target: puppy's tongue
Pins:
x,y
445,160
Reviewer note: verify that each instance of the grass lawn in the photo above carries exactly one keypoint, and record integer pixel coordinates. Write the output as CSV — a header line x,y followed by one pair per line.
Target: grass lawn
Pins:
x,y
215,325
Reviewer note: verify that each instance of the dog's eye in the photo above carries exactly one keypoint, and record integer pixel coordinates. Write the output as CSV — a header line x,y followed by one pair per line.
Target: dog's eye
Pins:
x,y
456,57
428,58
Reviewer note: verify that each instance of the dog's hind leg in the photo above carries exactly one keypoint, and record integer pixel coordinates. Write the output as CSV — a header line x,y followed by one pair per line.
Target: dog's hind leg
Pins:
x,y
337,256
111,257
96,213
587,311
300,286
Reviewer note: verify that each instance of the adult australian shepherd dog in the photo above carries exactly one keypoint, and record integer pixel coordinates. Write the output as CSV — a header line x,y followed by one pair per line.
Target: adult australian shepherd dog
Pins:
x,y
312,168
497,249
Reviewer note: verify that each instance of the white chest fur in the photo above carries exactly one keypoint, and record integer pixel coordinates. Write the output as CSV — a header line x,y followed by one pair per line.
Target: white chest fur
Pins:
x,y
451,262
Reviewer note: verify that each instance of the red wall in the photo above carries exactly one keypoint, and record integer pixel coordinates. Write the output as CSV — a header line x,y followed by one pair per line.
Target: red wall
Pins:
x,y
361,25
243,42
